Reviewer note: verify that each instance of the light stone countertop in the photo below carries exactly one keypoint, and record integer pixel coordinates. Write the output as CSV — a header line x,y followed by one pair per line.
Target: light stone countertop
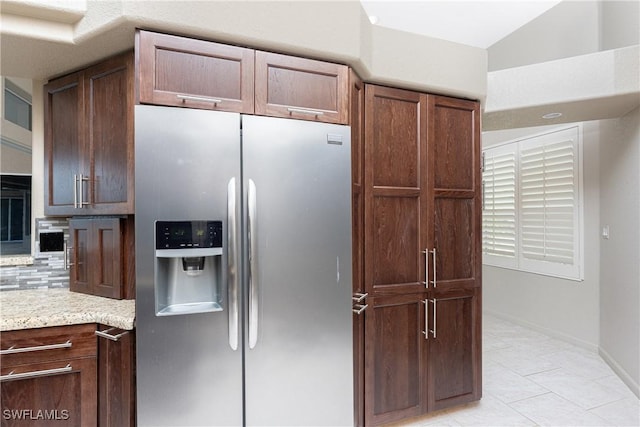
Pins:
x,y
38,308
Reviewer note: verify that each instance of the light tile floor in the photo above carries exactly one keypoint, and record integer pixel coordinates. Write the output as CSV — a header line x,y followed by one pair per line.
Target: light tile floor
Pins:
x,y
531,379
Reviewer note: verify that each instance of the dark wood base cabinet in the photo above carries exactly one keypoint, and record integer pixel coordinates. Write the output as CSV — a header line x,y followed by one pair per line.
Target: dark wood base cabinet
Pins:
x,y
419,184
48,377
116,378
66,376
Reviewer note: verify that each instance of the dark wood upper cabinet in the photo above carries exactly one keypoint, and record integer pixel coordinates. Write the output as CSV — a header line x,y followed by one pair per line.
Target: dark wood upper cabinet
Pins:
x,y
184,72
89,140
64,142
101,256
293,87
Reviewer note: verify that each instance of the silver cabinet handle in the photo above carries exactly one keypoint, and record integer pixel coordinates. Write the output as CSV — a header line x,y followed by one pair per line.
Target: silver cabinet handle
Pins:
x,y
435,280
426,268
359,308
78,198
75,191
309,111
253,265
359,297
435,307
107,335
426,319
13,350
198,98
66,257
232,265
33,374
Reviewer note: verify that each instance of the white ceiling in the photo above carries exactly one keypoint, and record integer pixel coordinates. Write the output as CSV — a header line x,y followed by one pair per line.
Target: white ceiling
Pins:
x,y
476,23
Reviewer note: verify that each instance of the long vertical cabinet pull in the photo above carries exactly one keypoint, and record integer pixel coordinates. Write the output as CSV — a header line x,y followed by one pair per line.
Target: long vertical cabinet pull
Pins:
x,y
426,319
435,308
253,265
232,264
66,256
78,193
435,280
426,268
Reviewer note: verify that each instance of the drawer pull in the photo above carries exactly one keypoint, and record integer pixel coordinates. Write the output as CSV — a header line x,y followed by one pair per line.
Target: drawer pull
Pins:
x,y
34,374
107,335
13,350
199,99
305,111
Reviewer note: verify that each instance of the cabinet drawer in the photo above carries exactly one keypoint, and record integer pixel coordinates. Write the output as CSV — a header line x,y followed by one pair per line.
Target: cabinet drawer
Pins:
x,y
183,72
47,344
288,86
61,393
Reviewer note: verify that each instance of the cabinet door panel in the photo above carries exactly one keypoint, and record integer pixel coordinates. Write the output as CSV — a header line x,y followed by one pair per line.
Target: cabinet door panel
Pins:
x,y
454,128
455,238
395,190
394,350
285,85
179,71
108,251
454,192
116,381
395,241
395,138
67,398
109,87
454,353
64,124
80,240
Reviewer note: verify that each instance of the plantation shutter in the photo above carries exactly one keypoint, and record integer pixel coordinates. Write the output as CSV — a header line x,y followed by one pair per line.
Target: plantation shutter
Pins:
x,y
532,204
499,213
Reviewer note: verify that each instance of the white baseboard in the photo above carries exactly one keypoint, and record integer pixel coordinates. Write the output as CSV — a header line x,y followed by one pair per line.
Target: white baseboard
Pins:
x,y
619,370
551,332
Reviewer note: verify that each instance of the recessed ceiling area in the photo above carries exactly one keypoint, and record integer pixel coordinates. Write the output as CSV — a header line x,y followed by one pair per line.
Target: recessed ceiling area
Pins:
x,y
474,23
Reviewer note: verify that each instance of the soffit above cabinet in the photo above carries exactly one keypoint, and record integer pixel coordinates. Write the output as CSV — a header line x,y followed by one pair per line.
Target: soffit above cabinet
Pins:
x,y
334,31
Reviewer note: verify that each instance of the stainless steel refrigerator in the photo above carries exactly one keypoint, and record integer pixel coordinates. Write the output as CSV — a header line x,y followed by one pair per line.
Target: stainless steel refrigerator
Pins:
x,y
243,270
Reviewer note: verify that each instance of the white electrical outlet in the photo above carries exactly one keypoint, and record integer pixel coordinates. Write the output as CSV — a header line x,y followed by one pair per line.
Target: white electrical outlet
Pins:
x,y
605,232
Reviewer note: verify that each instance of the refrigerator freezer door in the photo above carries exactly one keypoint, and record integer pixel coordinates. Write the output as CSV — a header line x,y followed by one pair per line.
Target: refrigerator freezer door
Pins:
x,y
187,371
299,361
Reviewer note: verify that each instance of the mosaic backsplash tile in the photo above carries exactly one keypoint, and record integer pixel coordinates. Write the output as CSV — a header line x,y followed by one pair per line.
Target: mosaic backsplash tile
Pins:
x,y
47,270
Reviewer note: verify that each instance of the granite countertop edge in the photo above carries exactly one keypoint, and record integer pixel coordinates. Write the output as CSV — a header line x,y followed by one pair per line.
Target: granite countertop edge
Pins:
x,y
40,308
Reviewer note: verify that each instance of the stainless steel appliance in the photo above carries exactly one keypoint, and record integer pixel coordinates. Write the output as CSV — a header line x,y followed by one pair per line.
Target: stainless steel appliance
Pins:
x,y
243,264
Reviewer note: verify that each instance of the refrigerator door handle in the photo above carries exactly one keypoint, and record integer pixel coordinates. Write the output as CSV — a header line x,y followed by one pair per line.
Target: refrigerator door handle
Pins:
x,y
253,267
232,264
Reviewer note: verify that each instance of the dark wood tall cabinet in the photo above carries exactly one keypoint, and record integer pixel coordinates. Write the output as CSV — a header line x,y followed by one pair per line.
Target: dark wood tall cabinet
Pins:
x,y
421,264
454,238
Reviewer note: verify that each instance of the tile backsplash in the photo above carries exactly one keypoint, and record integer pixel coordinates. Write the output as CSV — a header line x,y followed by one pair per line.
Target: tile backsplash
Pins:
x,y
47,270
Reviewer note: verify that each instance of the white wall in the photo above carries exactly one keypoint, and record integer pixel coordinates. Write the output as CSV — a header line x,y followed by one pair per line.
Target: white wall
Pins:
x,y
620,21
568,29
564,308
620,254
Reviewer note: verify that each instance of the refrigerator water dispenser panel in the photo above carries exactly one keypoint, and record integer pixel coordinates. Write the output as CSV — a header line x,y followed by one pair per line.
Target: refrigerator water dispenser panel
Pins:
x,y
188,267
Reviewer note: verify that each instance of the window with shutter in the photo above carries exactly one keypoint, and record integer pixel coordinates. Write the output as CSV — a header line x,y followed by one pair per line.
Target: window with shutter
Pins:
x,y
532,217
